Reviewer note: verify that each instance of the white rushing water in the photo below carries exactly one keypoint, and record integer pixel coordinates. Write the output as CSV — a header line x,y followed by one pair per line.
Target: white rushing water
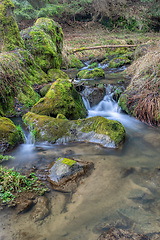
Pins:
x,y
109,108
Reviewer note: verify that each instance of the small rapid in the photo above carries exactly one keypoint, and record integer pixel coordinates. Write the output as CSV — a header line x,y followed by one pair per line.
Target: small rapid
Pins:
x,y
109,108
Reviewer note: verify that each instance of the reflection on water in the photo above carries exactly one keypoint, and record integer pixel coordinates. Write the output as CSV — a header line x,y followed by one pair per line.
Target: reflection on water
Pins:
x,y
122,191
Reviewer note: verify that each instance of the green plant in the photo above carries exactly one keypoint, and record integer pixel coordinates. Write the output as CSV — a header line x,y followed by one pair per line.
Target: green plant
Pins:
x,y
12,183
5,158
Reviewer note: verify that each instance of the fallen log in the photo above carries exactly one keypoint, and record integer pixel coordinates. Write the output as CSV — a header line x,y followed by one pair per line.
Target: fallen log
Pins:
x,y
98,47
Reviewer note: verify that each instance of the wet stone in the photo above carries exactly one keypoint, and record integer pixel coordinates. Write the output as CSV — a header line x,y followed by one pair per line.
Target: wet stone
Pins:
x,y
66,173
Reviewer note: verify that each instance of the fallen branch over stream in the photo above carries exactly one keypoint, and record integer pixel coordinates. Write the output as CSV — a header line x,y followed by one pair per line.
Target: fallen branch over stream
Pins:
x,y
98,47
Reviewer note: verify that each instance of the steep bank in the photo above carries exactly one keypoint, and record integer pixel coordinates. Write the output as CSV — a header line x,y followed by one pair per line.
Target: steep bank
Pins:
x,y
142,97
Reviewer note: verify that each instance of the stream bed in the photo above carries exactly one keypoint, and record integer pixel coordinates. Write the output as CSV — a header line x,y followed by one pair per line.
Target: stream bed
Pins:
x,y
123,190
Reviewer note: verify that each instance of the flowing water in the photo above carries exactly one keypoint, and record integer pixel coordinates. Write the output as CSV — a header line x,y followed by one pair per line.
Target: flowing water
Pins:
x,y
123,190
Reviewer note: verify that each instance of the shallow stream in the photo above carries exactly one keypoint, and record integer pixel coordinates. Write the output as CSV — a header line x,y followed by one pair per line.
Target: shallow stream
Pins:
x,y
123,190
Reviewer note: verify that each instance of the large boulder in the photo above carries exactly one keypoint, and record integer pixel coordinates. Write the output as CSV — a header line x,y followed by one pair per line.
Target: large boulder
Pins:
x,y
9,33
44,40
108,133
10,135
18,74
142,97
61,98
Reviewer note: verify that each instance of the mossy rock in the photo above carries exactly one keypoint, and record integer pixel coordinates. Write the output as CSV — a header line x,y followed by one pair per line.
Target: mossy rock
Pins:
x,y
75,62
61,98
44,90
44,40
119,61
54,74
19,73
10,136
9,33
96,73
65,174
108,133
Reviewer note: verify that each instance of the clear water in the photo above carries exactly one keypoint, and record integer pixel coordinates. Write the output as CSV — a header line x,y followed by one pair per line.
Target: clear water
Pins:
x,y
123,189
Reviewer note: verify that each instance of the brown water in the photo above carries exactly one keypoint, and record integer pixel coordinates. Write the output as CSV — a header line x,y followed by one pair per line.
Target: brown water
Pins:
x,y
123,189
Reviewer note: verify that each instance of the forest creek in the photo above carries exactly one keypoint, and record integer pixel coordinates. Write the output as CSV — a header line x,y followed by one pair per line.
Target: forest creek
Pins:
x,y
79,131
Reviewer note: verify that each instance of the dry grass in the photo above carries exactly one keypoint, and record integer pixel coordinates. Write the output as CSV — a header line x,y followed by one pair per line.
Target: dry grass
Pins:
x,y
145,86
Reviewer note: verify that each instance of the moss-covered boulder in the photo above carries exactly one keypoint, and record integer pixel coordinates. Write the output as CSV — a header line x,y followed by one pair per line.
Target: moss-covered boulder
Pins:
x,y
96,73
108,133
54,74
142,97
9,33
10,135
44,40
18,74
61,98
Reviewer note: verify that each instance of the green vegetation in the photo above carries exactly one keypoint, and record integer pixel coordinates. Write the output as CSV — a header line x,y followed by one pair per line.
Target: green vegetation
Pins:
x,y
128,15
5,157
10,36
12,183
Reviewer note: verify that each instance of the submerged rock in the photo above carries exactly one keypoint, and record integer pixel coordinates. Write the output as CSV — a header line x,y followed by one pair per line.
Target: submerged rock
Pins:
x,y
61,98
44,40
66,173
41,209
10,136
108,133
9,33
115,234
96,73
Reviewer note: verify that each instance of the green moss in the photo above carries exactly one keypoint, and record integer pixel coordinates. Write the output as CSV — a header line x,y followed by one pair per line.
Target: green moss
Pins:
x,y
45,41
19,73
75,62
61,116
57,130
54,74
10,135
119,61
47,128
44,90
96,73
10,36
68,161
100,125
61,98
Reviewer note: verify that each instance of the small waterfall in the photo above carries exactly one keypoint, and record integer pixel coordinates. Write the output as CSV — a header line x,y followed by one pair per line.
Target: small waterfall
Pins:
x,y
86,102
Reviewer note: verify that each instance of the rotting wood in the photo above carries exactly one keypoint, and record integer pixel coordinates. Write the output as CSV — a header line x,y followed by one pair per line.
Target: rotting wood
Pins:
x,y
98,47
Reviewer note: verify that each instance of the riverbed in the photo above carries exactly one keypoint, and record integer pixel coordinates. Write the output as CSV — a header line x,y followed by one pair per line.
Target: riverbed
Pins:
x,y
122,190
